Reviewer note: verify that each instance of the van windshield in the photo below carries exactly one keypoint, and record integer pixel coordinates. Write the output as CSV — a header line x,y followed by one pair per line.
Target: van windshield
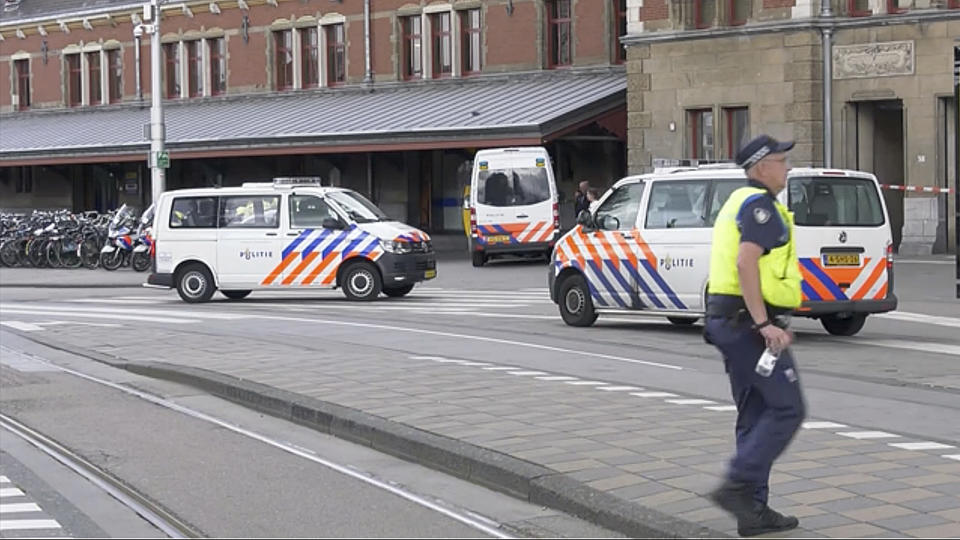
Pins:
x,y
513,187
825,201
357,206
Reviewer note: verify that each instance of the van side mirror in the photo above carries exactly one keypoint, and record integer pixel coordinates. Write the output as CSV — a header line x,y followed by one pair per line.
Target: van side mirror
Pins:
x,y
585,218
332,223
610,223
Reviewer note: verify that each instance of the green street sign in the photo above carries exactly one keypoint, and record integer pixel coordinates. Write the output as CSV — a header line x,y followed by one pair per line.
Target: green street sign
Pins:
x,y
163,160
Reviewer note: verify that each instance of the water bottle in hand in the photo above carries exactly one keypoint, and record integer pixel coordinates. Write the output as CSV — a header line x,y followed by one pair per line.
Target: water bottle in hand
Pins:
x,y
766,363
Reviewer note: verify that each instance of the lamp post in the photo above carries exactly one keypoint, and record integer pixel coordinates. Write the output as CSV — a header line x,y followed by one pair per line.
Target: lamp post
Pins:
x,y
158,159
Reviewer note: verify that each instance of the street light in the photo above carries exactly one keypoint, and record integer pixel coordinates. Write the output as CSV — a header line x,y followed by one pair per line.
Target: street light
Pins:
x,y
158,160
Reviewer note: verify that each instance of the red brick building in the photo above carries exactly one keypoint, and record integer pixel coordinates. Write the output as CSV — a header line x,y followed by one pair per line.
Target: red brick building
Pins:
x,y
261,88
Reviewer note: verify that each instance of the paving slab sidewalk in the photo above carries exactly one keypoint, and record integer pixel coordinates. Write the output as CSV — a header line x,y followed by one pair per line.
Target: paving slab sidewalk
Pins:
x,y
644,449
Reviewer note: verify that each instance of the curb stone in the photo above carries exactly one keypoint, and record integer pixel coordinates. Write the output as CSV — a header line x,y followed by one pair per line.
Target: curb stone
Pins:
x,y
507,474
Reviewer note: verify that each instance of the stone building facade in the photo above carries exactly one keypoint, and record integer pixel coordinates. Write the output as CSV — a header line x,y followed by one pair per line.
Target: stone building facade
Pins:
x,y
704,74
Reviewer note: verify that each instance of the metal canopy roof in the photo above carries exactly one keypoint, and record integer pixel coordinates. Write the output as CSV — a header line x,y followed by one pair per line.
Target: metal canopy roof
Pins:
x,y
387,116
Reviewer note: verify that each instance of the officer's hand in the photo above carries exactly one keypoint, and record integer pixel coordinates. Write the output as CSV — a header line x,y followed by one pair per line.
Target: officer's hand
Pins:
x,y
777,338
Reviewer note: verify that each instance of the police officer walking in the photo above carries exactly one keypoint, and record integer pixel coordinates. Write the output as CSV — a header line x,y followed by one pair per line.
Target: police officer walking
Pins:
x,y
754,285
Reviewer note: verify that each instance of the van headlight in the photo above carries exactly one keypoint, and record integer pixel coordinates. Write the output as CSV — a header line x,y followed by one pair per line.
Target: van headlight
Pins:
x,y
393,246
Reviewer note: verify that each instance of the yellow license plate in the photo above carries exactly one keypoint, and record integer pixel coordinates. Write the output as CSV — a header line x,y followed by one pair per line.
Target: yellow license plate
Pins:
x,y
430,274
841,259
499,239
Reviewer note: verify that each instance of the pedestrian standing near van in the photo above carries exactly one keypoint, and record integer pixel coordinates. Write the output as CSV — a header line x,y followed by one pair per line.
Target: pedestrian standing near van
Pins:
x,y
754,285
582,201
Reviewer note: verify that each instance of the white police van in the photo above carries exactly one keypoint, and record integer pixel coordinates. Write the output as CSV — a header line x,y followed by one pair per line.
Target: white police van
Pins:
x,y
292,233
513,203
646,246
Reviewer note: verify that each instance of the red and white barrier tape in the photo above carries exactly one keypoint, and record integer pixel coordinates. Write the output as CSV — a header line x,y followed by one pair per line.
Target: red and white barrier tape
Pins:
x,y
919,189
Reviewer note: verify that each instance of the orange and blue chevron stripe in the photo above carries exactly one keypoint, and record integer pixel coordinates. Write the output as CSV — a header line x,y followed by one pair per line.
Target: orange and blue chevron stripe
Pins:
x,y
320,253
821,283
516,233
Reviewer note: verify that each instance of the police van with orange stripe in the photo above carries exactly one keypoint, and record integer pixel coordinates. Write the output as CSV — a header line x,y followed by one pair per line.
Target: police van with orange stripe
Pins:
x,y
292,233
645,247
513,204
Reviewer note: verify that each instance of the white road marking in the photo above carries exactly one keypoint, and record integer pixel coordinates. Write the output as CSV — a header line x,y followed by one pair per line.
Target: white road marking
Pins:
x,y
557,378
721,408
79,323
653,394
925,445
197,313
427,358
22,326
122,301
474,338
955,457
920,318
690,401
499,368
526,373
585,383
10,492
4,480
934,261
28,524
474,364
450,361
618,388
126,317
822,425
868,435
936,348
18,508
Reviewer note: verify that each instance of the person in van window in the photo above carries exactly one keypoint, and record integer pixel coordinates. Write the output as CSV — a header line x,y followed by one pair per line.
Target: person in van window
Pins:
x,y
754,285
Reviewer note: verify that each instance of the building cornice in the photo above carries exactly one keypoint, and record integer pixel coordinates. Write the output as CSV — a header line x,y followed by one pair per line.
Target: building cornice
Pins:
x,y
815,23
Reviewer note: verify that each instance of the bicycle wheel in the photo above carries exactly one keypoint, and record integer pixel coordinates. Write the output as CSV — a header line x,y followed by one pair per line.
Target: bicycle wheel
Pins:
x,y
53,253
69,253
8,253
90,252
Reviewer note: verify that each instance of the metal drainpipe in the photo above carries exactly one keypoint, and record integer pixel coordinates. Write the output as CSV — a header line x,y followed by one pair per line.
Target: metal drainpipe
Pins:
x,y
137,61
826,12
368,75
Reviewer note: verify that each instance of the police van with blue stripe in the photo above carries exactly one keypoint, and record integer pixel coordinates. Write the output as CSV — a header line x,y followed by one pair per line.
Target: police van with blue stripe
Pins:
x,y
645,247
291,233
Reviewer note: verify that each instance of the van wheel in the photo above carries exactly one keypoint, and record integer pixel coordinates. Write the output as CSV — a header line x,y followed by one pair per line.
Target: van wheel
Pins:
x,y
576,306
478,259
843,326
235,295
683,321
397,292
361,281
194,284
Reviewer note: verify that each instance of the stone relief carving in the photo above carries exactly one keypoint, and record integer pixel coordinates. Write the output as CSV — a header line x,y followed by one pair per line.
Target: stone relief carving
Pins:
x,y
888,59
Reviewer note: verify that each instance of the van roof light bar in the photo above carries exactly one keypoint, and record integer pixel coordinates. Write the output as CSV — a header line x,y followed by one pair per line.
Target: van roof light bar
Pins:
x,y
290,181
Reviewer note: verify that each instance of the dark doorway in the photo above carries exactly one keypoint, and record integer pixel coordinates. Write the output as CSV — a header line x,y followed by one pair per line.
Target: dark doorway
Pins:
x,y
878,148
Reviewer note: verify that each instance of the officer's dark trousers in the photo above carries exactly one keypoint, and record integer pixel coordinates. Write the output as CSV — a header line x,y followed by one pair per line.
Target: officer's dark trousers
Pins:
x,y
769,409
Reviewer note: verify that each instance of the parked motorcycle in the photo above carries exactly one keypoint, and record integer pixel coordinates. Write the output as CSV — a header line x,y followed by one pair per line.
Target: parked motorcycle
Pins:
x,y
143,251
118,250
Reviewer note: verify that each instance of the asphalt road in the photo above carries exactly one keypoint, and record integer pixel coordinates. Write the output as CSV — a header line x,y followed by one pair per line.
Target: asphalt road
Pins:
x,y
899,375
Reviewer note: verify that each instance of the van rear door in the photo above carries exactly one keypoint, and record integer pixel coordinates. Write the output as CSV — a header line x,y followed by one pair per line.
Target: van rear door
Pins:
x,y
514,199
843,234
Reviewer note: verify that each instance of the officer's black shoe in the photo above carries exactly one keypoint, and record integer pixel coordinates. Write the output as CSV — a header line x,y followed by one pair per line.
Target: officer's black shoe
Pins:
x,y
765,521
736,498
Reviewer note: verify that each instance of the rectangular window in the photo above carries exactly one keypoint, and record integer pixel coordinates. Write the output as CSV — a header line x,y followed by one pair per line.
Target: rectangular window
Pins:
x,y
677,205
218,66
619,29
560,41
22,68
442,37
838,202
700,124
94,83
308,211
470,36
739,12
74,80
250,212
859,8
953,4
704,13
283,59
412,47
114,76
172,51
309,57
893,6
520,186
195,68
194,213
336,57
623,204
736,129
